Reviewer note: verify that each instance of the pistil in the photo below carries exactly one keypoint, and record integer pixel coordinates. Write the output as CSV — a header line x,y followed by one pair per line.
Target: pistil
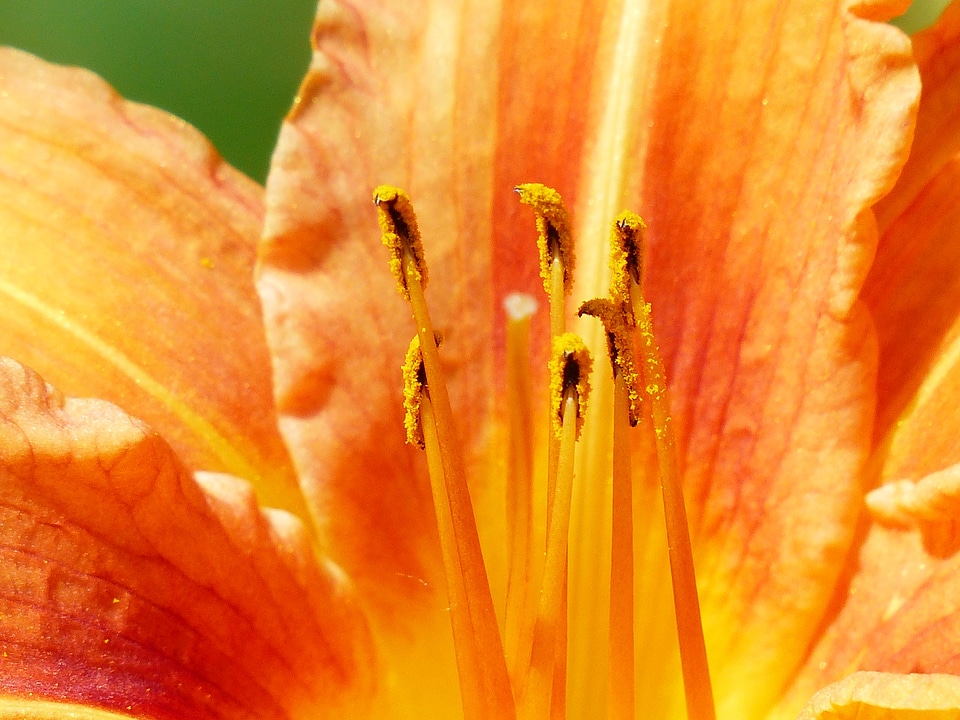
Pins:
x,y
556,251
520,612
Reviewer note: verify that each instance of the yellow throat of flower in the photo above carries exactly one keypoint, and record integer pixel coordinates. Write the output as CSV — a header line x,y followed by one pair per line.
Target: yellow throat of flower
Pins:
x,y
521,672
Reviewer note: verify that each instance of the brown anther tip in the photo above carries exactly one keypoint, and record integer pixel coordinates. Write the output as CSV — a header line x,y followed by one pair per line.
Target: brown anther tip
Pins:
x,y
617,322
555,241
570,366
400,233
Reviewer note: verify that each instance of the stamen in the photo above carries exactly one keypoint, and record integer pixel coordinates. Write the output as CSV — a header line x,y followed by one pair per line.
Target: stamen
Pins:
x,y
626,263
626,413
569,388
556,247
520,611
478,628
556,250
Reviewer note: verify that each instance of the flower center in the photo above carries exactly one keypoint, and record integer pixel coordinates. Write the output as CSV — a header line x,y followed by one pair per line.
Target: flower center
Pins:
x,y
522,673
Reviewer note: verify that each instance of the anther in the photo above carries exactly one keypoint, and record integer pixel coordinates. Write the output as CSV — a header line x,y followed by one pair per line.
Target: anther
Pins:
x,y
569,373
626,255
414,382
617,319
401,234
553,227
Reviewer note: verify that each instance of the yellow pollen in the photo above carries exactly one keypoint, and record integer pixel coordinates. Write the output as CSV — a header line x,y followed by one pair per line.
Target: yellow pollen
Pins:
x,y
569,369
553,227
414,378
626,256
401,234
617,320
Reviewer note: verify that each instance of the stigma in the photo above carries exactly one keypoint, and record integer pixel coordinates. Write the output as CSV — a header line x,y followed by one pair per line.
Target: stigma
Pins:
x,y
515,665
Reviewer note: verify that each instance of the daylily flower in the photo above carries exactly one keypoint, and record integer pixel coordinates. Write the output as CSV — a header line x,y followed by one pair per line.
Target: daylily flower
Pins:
x,y
805,304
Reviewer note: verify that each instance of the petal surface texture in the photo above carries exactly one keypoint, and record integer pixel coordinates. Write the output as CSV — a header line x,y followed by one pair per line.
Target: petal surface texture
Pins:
x,y
753,142
129,586
126,273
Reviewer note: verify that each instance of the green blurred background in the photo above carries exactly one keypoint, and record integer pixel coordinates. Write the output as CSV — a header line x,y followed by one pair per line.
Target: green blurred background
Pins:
x,y
230,67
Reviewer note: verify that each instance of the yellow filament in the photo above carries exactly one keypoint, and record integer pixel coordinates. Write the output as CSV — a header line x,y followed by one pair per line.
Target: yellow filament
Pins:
x,y
693,652
626,412
545,691
468,660
492,676
540,690
621,561
521,600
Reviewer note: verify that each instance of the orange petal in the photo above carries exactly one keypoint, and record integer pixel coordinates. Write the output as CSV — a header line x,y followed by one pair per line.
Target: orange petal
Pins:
x,y
914,295
879,696
337,326
767,146
128,252
129,586
914,286
754,144
937,140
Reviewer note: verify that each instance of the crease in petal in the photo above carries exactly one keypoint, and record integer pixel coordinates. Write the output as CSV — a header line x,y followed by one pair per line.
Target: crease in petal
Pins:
x,y
127,585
